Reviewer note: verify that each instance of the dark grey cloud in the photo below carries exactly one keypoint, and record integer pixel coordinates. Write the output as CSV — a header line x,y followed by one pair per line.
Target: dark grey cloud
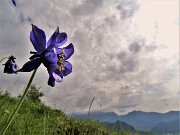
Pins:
x,y
138,44
111,21
127,8
129,64
124,62
122,55
134,47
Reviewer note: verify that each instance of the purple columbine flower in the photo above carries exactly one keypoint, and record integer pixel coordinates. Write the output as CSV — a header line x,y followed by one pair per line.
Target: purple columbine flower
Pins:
x,y
10,66
50,54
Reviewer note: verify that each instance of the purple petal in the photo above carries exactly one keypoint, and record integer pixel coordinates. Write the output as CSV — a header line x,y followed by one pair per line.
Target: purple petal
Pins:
x,y
52,75
51,47
67,68
51,57
61,39
68,50
51,80
31,65
38,38
11,66
52,39
57,77
49,66
50,69
35,56
15,67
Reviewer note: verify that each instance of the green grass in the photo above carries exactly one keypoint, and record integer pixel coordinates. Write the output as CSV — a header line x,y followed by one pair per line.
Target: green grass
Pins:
x,y
35,118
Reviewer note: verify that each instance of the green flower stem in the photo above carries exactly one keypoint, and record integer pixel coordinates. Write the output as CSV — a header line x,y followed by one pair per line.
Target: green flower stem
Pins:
x,y
19,104
3,59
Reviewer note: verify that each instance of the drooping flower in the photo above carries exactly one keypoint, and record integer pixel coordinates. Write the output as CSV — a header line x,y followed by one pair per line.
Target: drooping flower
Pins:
x,y
50,54
10,66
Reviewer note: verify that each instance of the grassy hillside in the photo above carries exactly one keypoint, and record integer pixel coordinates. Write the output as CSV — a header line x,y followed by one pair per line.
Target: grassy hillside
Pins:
x,y
35,118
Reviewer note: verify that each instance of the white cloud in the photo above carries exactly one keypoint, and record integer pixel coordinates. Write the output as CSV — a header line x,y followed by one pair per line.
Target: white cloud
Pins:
x,y
115,57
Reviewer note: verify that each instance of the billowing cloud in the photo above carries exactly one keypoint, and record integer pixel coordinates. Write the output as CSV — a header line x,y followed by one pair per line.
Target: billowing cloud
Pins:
x,y
113,61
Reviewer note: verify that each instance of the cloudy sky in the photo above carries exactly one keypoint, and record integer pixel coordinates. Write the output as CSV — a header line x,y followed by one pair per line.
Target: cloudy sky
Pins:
x,y
126,52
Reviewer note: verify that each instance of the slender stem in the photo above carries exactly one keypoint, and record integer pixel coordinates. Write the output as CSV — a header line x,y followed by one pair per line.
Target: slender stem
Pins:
x,y
3,59
18,105
90,106
44,124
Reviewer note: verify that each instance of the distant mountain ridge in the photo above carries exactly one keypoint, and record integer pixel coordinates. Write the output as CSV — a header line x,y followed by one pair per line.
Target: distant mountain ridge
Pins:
x,y
167,127
144,121
147,120
119,126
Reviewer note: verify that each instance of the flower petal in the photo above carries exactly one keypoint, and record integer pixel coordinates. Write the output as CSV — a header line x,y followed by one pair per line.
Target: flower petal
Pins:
x,y
35,56
11,66
51,57
15,67
38,38
31,65
67,68
61,39
52,39
68,50
51,46
51,80
50,67
57,77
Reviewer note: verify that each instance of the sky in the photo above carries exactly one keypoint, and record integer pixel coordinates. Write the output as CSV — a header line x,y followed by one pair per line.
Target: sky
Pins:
x,y
126,52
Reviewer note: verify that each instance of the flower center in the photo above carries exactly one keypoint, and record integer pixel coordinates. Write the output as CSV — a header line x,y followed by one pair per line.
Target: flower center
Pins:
x,y
60,61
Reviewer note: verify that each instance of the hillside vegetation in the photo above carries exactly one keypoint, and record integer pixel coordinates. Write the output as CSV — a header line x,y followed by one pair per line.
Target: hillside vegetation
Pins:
x,y
35,118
